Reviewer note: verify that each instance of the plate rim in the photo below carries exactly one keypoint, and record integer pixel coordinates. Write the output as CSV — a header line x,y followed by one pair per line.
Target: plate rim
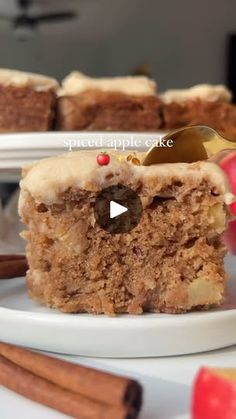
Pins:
x,y
123,336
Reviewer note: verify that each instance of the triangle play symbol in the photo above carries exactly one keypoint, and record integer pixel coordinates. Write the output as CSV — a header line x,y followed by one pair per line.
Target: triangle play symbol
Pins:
x,y
116,209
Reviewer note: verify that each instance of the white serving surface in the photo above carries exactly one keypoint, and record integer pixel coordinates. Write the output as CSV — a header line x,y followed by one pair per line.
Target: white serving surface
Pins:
x,y
25,322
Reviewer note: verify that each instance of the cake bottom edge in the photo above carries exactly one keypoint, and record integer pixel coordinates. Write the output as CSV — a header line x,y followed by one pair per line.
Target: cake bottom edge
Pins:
x,y
201,294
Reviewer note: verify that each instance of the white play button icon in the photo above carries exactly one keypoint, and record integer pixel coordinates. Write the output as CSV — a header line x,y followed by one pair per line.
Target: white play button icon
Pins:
x,y
116,209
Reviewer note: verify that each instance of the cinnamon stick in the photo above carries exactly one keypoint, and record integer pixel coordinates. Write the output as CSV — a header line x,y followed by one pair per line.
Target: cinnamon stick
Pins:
x,y
98,385
42,391
12,266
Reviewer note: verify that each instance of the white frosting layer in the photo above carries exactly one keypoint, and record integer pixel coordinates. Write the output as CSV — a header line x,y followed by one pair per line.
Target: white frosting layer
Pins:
x,y
76,83
218,93
47,179
23,79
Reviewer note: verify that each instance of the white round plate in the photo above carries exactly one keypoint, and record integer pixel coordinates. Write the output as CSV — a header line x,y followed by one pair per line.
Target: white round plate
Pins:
x,y
24,322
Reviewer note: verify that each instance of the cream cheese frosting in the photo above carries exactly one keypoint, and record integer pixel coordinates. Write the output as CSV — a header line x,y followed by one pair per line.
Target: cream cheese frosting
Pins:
x,y
76,83
47,179
217,93
23,79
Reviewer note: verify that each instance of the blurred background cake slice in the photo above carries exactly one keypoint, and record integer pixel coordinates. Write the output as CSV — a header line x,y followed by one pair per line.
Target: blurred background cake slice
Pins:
x,y
108,104
171,262
200,105
27,101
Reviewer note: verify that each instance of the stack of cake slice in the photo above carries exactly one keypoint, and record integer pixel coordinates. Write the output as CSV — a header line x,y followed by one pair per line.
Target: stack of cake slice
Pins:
x,y
203,104
27,101
32,102
108,104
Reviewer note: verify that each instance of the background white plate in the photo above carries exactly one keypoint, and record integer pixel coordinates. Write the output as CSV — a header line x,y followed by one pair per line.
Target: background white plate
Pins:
x,y
17,150
26,323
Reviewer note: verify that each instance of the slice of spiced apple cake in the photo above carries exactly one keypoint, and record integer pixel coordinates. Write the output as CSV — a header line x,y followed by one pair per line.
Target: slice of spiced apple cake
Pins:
x,y
171,262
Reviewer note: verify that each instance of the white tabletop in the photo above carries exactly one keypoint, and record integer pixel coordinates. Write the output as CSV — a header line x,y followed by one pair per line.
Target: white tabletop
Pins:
x,y
166,381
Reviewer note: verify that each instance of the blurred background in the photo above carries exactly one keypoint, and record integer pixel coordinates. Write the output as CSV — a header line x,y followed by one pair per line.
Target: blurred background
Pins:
x,y
179,43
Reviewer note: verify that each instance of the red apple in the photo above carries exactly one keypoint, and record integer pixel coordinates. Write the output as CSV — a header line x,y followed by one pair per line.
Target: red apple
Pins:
x,y
214,394
228,164
103,159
